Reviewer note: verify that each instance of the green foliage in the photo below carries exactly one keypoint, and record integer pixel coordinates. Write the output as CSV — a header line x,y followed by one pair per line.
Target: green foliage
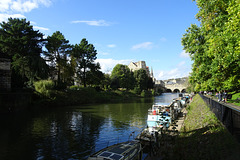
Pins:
x,y
23,45
122,77
106,82
143,93
44,87
137,90
86,69
141,78
153,92
94,76
57,56
214,46
235,99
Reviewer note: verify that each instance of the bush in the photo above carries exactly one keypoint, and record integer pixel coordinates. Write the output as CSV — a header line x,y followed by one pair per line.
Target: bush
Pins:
x,y
153,92
143,93
75,88
137,90
44,87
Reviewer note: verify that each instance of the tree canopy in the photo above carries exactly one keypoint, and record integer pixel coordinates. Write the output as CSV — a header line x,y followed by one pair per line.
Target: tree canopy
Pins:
x,y
122,77
141,79
85,55
23,46
214,46
60,61
57,55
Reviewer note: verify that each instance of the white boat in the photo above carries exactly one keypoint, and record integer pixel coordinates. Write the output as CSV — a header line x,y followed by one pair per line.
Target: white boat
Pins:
x,y
159,118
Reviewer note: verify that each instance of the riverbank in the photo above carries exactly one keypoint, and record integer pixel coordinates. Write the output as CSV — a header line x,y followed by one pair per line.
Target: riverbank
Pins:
x,y
202,137
55,98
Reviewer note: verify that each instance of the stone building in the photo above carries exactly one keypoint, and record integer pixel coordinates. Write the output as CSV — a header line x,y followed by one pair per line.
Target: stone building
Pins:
x,y
133,66
5,74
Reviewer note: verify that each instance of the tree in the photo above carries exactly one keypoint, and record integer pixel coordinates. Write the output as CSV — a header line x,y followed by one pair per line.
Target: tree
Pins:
x,y
94,76
58,49
141,78
106,82
122,76
23,46
214,46
85,55
150,83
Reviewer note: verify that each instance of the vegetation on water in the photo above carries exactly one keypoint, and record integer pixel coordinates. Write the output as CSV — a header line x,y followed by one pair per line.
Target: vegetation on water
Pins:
x,y
214,46
203,136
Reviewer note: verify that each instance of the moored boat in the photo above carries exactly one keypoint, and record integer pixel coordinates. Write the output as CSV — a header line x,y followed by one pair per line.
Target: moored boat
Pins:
x,y
159,118
130,150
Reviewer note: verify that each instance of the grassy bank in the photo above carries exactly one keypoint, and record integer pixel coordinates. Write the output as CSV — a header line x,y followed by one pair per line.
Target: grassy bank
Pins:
x,y
87,95
203,136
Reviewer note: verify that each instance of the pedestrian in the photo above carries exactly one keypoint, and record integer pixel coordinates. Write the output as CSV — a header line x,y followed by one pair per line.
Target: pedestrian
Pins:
x,y
219,96
225,96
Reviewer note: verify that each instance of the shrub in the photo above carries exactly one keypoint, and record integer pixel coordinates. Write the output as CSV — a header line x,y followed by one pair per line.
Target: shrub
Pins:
x,y
74,88
137,90
143,93
153,92
44,87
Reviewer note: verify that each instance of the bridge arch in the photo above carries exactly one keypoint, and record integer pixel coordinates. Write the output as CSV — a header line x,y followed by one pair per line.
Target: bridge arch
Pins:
x,y
176,90
184,90
168,90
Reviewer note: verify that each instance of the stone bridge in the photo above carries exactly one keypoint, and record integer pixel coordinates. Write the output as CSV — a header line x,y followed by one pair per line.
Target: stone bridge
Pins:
x,y
172,85
176,85
180,88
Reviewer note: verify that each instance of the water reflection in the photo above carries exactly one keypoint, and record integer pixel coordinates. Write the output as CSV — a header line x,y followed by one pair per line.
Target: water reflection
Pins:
x,y
165,98
72,132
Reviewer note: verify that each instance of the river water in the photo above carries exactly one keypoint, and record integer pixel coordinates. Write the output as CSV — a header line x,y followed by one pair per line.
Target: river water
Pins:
x,y
72,132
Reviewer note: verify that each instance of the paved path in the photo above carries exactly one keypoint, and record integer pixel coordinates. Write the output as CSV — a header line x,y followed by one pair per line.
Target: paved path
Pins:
x,y
179,123
229,105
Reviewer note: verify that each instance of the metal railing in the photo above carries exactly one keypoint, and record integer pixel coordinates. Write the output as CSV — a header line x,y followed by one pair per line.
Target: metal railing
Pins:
x,y
227,113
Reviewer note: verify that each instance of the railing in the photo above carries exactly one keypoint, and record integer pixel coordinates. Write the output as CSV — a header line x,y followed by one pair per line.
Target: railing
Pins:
x,y
228,114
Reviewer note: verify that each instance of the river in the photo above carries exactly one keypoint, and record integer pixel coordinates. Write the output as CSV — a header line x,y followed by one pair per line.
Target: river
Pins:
x,y
72,132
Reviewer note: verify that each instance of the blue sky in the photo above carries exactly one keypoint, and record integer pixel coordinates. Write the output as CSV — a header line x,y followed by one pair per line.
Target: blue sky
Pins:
x,y
121,30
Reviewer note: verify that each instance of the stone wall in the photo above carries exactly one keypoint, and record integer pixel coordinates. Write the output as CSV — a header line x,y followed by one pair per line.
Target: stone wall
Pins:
x,y
5,75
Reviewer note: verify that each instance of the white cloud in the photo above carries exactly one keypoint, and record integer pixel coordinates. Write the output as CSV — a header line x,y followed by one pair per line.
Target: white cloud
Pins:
x,y
174,73
4,17
184,54
181,70
181,63
46,3
144,45
108,64
4,5
163,39
111,46
7,6
40,28
104,53
21,6
94,23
